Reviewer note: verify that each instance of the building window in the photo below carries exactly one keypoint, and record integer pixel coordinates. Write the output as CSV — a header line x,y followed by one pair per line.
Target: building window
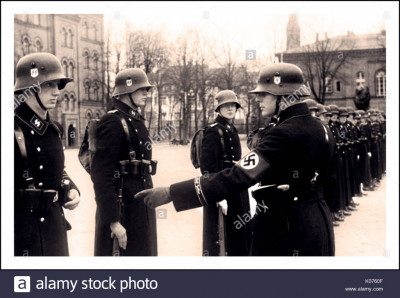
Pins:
x,y
360,80
95,60
26,44
89,115
94,32
87,89
71,69
85,29
65,67
381,83
72,100
338,86
96,91
70,44
86,59
64,37
38,45
66,102
328,84
97,114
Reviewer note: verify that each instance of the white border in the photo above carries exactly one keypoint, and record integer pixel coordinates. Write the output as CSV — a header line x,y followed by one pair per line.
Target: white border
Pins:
x,y
390,261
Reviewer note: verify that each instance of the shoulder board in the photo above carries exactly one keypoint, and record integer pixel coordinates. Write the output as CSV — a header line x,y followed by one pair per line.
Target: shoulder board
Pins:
x,y
214,124
112,111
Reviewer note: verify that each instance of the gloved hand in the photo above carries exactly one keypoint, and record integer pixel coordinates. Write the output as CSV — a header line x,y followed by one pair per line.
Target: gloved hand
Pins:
x,y
155,197
224,205
74,199
117,230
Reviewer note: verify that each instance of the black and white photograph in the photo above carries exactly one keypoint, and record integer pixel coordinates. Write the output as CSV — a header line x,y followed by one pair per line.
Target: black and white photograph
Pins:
x,y
200,135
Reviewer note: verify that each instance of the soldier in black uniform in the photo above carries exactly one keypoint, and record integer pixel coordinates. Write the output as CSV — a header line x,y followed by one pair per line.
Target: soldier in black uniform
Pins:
x,y
338,203
375,148
297,152
215,157
382,120
42,187
122,167
365,157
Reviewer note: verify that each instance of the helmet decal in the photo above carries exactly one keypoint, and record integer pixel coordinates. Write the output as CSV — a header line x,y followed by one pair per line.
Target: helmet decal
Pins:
x,y
277,78
129,82
34,72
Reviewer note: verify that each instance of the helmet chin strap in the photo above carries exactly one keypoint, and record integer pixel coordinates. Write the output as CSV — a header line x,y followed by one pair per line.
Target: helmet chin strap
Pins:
x,y
39,101
132,102
277,111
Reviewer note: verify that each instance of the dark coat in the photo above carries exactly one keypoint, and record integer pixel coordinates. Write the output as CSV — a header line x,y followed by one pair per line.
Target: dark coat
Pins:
x,y
112,147
298,221
39,233
237,240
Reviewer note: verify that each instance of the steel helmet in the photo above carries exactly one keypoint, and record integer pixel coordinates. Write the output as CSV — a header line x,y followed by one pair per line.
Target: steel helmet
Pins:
x,y
226,96
350,110
39,68
321,109
282,79
334,109
311,104
130,80
328,111
343,112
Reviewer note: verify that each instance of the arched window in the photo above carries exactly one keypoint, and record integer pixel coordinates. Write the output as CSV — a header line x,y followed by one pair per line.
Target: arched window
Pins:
x,y
360,79
38,45
87,89
64,37
89,114
95,60
72,100
381,83
66,102
97,114
65,67
96,91
94,32
70,44
328,84
86,59
71,69
26,44
85,29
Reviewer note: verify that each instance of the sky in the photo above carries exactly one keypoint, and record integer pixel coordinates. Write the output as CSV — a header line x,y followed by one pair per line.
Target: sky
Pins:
x,y
255,25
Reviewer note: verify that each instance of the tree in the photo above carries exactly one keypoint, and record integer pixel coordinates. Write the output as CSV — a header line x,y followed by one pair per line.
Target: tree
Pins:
x,y
323,61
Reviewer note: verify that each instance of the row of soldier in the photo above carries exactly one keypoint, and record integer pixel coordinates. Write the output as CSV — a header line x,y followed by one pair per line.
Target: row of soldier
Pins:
x,y
360,154
294,217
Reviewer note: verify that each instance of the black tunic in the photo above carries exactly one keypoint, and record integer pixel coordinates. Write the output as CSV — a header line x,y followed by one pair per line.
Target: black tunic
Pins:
x,y
298,221
39,233
111,147
238,240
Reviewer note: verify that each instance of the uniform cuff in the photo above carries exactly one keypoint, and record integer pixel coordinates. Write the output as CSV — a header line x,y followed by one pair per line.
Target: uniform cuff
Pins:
x,y
184,195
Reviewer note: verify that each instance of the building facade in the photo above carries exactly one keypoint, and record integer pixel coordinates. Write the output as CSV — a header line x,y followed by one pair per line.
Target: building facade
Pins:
x,y
77,40
365,63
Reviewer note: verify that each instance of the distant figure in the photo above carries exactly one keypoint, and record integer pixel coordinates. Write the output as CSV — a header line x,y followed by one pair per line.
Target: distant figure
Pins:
x,y
362,98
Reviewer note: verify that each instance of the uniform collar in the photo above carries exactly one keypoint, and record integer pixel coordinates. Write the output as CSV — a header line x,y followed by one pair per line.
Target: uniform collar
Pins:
x,y
221,120
127,110
299,109
30,118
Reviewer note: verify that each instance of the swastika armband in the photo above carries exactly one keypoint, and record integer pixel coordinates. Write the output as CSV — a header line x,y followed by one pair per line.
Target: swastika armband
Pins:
x,y
253,165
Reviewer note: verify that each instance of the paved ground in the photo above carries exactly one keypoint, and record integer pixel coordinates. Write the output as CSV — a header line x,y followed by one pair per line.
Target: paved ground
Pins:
x,y
180,234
